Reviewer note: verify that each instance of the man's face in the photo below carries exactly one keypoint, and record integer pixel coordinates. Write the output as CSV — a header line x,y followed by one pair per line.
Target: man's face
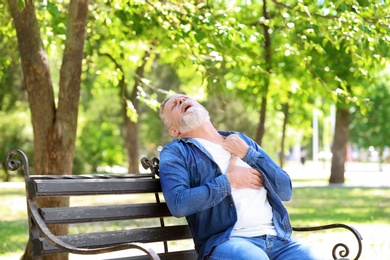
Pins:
x,y
185,114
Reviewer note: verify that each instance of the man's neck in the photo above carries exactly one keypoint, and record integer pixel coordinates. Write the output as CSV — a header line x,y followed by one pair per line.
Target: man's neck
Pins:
x,y
206,131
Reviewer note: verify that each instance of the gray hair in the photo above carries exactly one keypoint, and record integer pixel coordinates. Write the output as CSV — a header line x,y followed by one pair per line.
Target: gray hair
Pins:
x,y
163,118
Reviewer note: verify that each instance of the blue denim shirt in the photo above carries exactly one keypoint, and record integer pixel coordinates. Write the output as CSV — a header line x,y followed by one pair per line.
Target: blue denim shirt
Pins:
x,y
194,187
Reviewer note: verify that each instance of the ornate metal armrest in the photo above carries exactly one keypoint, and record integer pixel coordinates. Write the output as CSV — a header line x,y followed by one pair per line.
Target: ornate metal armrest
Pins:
x,y
71,249
343,253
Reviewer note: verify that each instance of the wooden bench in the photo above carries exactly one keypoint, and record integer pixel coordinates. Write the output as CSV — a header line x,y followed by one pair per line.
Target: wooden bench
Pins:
x,y
146,218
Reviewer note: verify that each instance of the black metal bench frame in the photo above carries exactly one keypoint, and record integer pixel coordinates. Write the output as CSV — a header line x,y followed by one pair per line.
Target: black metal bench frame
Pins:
x,y
44,242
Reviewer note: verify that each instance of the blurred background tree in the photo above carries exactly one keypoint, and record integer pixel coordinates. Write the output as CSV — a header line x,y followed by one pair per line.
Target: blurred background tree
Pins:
x,y
370,125
54,108
260,67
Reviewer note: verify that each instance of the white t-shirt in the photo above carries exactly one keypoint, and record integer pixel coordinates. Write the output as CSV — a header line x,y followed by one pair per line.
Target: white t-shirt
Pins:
x,y
253,209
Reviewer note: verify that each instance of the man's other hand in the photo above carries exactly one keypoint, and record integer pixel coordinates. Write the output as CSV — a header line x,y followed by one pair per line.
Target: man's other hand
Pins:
x,y
243,177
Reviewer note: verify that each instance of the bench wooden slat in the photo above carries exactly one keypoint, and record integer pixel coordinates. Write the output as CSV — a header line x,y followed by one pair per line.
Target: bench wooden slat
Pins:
x,y
179,255
92,176
101,239
75,187
69,215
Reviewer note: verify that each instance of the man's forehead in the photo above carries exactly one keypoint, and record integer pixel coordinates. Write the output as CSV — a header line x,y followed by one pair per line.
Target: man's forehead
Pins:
x,y
175,97
178,96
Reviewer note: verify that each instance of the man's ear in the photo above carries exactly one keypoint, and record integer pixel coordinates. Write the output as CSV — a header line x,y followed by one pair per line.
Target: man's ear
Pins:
x,y
174,132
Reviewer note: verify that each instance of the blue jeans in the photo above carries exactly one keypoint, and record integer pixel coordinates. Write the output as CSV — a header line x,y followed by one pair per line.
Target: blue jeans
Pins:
x,y
265,247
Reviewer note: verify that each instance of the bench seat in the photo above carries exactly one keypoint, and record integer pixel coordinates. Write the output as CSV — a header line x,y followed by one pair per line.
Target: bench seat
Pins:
x,y
144,219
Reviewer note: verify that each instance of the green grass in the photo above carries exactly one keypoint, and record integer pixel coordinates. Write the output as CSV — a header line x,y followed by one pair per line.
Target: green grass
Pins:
x,y
13,224
361,207
346,205
13,237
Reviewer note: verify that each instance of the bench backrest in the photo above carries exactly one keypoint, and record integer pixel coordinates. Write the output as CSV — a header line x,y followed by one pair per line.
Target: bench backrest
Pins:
x,y
140,217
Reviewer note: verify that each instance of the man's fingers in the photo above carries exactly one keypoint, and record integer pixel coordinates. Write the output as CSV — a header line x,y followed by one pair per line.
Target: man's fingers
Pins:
x,y
235,145
258,182
257,178
255,172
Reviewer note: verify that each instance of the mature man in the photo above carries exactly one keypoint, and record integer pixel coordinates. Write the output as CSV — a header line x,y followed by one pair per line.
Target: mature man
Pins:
x,y
226,186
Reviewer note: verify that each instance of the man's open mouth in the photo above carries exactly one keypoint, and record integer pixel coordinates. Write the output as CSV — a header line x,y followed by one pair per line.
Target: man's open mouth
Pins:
x,y
186,107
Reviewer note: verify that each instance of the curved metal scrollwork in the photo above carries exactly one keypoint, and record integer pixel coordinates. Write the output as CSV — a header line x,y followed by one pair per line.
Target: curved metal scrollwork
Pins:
x,y
14,165
152,164
341,248
344,252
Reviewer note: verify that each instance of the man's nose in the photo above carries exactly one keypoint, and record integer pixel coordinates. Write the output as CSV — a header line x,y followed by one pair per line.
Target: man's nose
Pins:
x,y
181,100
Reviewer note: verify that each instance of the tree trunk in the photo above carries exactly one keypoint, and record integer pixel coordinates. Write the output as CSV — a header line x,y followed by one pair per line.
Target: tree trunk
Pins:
x,y
54,128
130,127
130,131
131,134
286,107
263,112
339,147
268,67
381,159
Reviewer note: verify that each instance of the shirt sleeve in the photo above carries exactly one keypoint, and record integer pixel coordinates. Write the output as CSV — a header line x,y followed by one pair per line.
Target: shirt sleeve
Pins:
x,y
181,198
274,176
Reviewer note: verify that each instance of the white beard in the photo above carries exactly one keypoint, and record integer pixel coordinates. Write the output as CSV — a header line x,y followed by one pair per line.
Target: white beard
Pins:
x,y
195,117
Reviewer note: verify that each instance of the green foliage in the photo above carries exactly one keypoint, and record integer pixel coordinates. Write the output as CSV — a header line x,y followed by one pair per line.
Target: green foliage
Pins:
x,y
371,121
21,5
16,133
321,53
355,35
100,142
11,88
